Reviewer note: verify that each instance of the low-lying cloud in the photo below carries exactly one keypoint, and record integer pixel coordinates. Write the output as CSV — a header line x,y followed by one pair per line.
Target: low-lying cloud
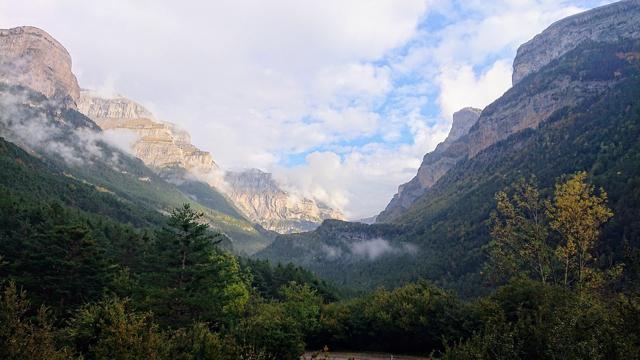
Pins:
x,y
375,248
37,127
367,250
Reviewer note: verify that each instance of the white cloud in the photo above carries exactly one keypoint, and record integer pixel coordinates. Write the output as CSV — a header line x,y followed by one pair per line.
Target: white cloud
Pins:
x,y
375,248
460,86
361,180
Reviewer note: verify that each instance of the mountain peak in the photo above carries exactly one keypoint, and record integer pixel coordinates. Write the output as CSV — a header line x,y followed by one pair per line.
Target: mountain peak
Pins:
x,y
264,201
462,122
32,58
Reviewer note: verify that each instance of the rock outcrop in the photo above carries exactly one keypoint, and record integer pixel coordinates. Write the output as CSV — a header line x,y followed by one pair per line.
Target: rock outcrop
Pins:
x,y
604,24
158,144
519,108
260,197
463,120
31,58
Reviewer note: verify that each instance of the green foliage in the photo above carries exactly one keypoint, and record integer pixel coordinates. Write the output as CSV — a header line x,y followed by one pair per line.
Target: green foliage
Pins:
x,y
190,279
20,336
52,253
531,320
268,280
520,236
197,342
302,304
522,244
414,318
110,330
271,329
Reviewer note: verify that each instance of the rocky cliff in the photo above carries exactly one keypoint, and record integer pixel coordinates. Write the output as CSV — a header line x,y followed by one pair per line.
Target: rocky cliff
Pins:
x,y
463,120
158,144
522,108
164,147
604,24
260,197
31,58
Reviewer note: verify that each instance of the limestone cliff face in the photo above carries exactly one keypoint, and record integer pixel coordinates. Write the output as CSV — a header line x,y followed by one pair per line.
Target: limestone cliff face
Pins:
x,y
463,120
158,144
32,58
605,24
162,145
259,196
521,108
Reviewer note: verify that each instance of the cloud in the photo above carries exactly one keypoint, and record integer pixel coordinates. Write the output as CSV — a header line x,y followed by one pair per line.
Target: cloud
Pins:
x,y
374,248
36,127
121,139
460,86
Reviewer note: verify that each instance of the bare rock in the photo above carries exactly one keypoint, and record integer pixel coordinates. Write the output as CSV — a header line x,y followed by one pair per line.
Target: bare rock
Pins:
x,y
31,58
263,201
604,24
158,144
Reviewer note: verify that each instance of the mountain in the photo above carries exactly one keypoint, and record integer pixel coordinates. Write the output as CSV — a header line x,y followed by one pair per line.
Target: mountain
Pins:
x,y
608,24
262,199
427,175
158,144
168,150
32,58
516,113
577,111
38,113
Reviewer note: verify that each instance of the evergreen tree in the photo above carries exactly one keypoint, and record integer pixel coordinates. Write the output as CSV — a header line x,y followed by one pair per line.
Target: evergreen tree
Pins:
x,y
22,338
190,279
60,265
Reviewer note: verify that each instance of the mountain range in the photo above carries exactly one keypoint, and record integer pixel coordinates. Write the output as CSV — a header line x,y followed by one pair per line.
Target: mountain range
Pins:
x,y
164,146
34,61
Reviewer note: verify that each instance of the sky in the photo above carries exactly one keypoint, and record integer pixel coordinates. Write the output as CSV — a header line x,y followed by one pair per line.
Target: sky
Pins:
x,y
340,99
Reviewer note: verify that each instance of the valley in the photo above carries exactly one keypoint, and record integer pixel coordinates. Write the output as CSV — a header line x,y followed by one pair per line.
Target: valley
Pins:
x,y
125,236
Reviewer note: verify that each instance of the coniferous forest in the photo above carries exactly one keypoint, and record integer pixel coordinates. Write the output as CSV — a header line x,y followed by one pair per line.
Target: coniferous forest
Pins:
x,y
78,285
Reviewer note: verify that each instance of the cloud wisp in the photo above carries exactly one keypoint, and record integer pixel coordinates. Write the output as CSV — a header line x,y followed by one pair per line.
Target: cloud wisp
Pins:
x,y
367,250
34,126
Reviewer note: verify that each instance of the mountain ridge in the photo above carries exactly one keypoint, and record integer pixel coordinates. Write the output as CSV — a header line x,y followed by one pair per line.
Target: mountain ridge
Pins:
x,y
511,114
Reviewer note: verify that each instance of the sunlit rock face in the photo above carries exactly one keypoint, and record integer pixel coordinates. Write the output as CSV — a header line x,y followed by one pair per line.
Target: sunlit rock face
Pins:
x,y
158,144
260,197
162,145
31,58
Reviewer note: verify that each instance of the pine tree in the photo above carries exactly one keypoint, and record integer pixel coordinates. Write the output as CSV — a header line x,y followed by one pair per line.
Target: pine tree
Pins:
x,y
191,279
